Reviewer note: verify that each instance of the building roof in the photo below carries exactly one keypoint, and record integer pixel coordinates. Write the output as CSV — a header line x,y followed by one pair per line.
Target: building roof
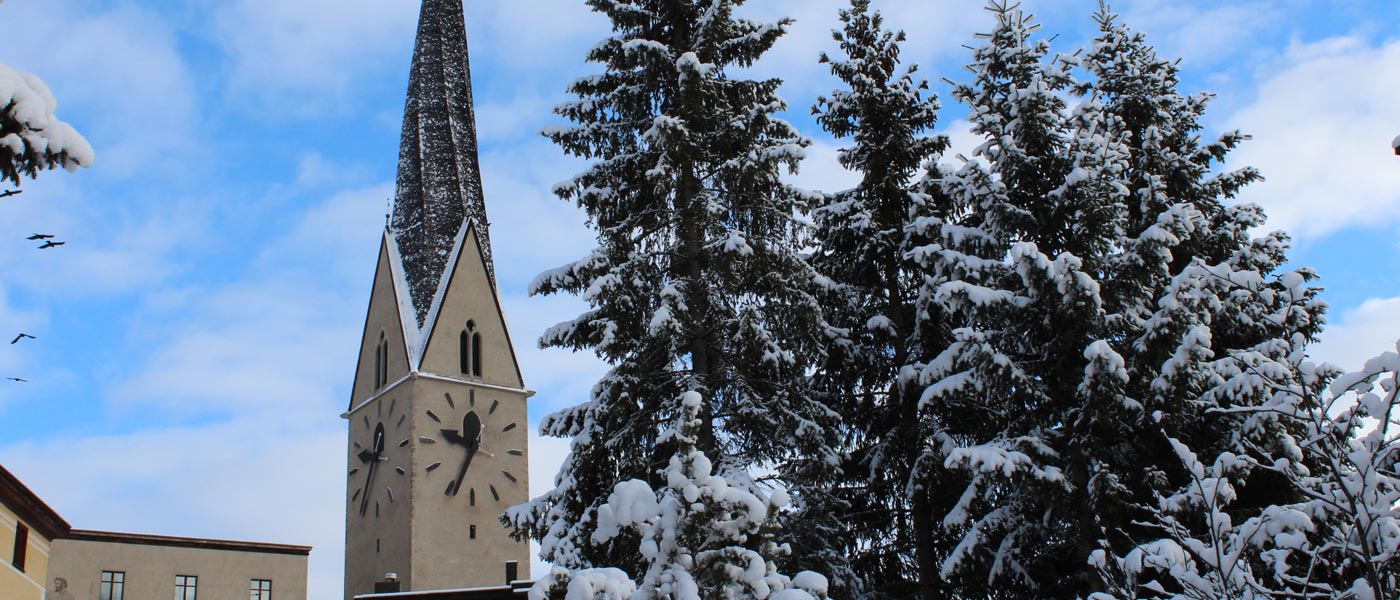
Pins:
x,y
141,539
515,591
439,179
30,508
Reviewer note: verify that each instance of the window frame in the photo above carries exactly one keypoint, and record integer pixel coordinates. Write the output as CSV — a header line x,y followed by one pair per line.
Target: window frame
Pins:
x,y
112,586
186,587
259,592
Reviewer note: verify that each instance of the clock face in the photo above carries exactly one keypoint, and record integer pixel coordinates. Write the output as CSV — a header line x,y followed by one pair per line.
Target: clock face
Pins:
x,y
379,441
472,456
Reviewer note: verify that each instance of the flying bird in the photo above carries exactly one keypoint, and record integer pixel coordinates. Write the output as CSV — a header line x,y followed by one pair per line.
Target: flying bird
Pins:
x,y
8,193
17,380
39,236
51,244
20,337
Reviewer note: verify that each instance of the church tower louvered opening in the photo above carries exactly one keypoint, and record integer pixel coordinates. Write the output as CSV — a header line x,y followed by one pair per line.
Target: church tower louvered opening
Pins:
x,y
439,179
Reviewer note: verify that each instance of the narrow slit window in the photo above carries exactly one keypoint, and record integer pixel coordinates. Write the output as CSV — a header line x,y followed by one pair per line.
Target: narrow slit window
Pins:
x,y
465,352
384,367
476,354
21,546
378,366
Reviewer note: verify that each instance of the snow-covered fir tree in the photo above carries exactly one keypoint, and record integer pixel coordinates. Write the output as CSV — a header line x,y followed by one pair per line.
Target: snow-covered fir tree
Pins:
x,y
697,533
876,530
1099,279
695,286
32,139
1029,380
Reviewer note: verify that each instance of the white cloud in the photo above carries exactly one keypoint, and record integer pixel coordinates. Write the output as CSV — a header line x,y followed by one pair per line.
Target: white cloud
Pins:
x,y
308,53
119,78
1322,129
1360,334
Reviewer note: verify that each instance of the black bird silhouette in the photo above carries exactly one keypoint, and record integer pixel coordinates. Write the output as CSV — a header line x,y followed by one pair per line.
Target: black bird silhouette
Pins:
x,y
8,193
17,380
20,337
51,244
39,236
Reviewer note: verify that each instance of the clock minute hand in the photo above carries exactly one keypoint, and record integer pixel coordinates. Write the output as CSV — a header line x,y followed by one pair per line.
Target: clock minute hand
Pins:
x,y
457,486
369,480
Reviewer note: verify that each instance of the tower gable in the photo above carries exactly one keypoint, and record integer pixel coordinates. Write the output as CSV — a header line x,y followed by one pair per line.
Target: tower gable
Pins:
x,y
470,307
383,318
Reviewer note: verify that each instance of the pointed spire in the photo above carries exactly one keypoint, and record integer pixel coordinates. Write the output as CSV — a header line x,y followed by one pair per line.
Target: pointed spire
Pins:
x,y
439,186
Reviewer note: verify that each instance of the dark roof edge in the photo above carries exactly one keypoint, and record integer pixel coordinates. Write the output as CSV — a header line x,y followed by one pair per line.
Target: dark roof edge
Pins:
x,y
141,539
30,507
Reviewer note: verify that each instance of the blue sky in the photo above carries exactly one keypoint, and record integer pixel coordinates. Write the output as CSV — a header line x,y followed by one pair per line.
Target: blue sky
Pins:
x,y
198,332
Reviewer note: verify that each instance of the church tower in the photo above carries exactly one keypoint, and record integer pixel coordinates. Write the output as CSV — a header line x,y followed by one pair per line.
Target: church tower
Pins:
x,y
437,417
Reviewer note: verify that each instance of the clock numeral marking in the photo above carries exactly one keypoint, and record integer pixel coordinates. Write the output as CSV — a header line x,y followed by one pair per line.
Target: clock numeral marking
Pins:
x,y
354,471
494,404
357,445
450,404
472,497
379,409
494,494
400,423
509,476
405,442
448,491
366,421
376,509
392,403
471,397
434,466
515,452
355,496
391,493
400,471
509,427
434,417
427,440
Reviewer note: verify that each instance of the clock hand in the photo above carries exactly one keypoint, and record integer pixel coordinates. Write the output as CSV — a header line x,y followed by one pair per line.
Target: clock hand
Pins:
x,y
369,480
457,486
488,454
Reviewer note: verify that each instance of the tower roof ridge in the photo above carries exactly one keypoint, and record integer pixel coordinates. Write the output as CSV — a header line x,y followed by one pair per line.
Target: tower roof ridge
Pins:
x,y
439,178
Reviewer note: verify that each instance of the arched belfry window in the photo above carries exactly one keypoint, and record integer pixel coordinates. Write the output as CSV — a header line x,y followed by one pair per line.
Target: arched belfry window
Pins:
x,y
381,362
384,367
470,350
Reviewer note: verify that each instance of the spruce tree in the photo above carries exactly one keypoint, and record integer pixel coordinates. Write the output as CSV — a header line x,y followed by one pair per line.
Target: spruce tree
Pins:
x,y
695,286
886,506
32,138
1111,304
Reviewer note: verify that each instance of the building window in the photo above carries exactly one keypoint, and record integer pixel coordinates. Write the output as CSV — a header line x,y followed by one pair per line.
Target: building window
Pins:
x,y
113,586
21,546
384,368
476,354
185,587
381,362
260,589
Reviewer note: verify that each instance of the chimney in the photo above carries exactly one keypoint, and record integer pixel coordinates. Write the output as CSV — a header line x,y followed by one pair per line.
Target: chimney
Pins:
x,y
390,585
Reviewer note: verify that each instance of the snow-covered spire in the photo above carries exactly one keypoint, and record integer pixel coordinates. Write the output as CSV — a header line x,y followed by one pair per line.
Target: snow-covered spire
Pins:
x,y
439,183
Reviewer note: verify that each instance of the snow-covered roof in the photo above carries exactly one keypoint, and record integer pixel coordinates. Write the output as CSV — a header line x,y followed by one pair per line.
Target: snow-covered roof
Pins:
x,y
439,180
1396,143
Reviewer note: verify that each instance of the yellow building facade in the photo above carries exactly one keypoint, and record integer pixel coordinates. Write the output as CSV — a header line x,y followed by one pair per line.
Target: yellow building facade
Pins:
x,y
28,528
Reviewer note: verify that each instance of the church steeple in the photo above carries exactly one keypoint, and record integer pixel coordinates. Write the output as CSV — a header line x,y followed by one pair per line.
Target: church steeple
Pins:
x,y
439,180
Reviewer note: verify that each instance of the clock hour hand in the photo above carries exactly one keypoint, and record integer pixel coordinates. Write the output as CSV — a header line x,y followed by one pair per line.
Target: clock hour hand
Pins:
x,y
368,457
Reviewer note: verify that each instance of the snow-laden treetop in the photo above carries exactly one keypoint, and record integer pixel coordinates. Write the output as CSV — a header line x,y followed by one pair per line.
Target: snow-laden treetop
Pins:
x,y
31,137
